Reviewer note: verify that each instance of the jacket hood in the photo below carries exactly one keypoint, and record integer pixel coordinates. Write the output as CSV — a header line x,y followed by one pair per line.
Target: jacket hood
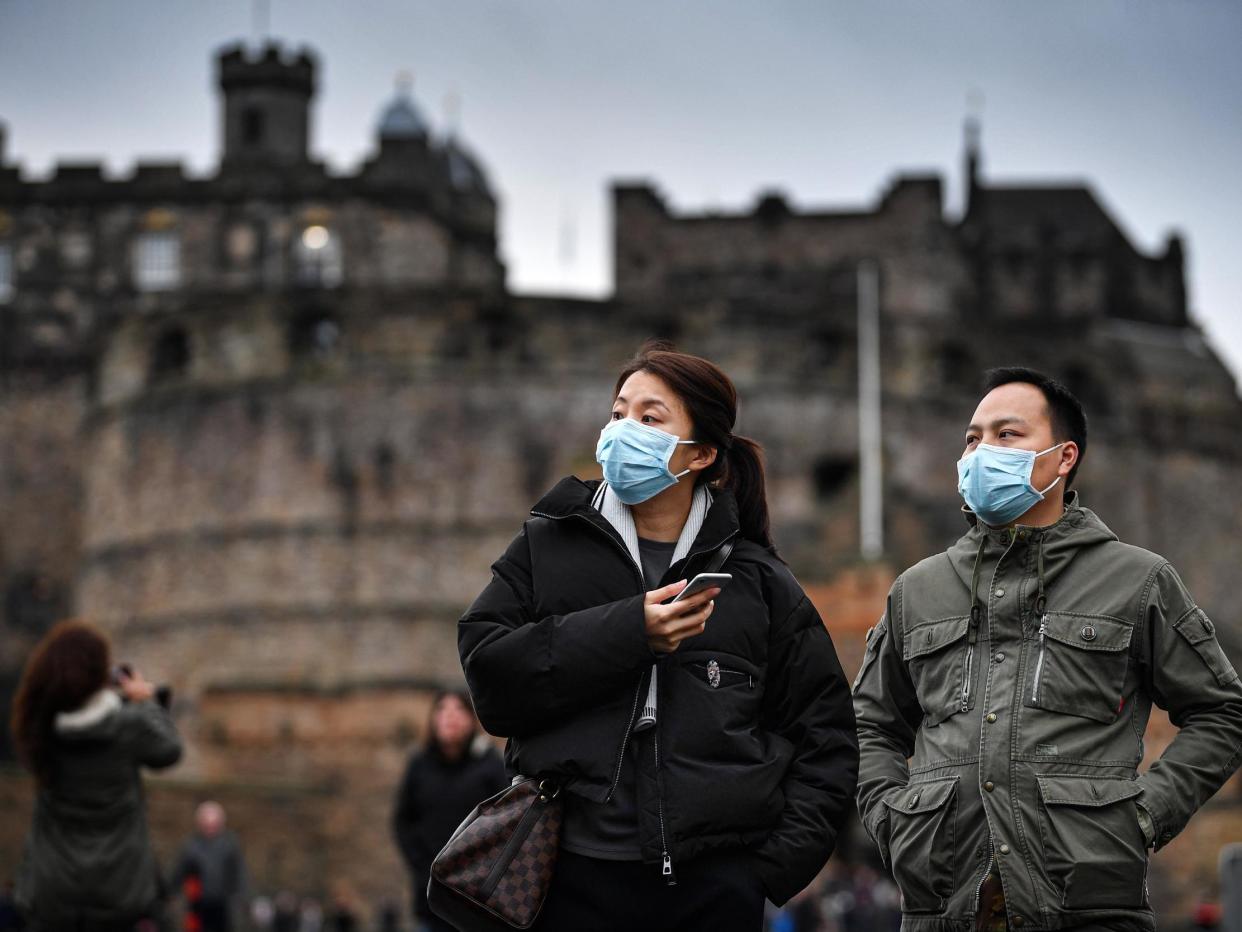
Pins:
x,y
96,718
1077,528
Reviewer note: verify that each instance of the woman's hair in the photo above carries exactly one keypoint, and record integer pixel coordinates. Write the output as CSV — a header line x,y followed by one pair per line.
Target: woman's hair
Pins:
x,y
711,399
433,740
65,669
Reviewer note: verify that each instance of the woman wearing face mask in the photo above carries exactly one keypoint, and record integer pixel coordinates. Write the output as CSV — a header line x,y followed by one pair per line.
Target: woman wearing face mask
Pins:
x,y
706,747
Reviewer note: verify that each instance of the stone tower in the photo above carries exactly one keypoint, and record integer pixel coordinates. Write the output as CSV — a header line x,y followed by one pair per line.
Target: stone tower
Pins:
x,y
265,107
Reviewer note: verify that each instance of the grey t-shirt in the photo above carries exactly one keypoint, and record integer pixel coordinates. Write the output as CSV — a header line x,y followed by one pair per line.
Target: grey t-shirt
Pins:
x,y
609,831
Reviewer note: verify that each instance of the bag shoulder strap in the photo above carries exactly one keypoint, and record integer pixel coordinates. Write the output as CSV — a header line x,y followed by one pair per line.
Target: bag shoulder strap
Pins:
x,y
719,558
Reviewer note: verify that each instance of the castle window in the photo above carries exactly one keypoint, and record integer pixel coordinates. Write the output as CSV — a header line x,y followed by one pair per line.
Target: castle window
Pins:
x,y
317,258
831,475
6,273
170,356
252,126
313,333
157,261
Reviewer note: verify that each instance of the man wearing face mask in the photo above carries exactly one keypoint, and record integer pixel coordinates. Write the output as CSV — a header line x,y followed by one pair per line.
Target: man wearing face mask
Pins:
x,y
1003,695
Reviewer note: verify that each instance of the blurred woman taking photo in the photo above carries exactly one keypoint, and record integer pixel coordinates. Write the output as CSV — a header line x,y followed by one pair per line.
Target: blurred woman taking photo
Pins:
x,y
85,732
705,747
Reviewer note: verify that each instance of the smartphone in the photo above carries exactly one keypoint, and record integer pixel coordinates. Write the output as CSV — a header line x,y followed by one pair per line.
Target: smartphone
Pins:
x,y
704,581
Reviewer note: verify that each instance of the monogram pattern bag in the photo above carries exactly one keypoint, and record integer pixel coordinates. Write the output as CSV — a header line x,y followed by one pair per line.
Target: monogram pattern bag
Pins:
x,y
493,874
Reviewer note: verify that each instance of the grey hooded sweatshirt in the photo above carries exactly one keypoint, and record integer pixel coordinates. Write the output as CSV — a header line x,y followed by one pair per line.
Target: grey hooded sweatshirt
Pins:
x,y
1001,706
88,857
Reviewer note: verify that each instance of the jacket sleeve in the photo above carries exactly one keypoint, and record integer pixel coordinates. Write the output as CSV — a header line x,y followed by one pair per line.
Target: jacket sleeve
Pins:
x,y
807,702
1187,674
888,713
527,673
405,814
156,743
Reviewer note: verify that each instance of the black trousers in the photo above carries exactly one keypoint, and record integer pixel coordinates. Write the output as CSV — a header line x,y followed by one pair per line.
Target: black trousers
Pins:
x,y
718,891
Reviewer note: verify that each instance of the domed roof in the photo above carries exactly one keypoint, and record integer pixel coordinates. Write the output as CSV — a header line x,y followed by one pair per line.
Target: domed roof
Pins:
x,y
401,119
465,173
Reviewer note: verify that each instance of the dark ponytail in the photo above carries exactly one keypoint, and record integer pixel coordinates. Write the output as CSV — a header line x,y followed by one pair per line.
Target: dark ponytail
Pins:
x,y
711,400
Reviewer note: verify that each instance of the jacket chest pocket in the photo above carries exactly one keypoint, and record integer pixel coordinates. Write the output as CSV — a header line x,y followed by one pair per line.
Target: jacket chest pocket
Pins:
x,y
1094,849
1078,665
941,665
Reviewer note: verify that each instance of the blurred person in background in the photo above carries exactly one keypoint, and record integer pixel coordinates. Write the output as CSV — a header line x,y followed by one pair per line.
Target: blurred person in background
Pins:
x,y
734,782
213,856
455,770
85,731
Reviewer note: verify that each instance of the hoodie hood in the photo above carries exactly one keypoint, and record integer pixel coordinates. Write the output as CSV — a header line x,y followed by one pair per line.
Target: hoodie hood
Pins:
x,y
96,718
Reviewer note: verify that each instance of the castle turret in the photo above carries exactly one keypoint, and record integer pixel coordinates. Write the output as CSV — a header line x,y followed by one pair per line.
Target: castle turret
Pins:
x,y
266,116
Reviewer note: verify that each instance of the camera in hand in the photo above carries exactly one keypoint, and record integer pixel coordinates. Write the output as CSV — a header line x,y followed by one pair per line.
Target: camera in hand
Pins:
x,y
123,671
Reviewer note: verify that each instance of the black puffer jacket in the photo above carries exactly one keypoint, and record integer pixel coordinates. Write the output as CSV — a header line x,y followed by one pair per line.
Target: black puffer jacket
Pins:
x,y
556,655
435,795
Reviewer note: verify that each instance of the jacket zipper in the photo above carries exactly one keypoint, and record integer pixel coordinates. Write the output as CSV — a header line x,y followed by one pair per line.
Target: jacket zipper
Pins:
x,y
1039,663
666,863
970,657
666,859
638,689
666,868
983,878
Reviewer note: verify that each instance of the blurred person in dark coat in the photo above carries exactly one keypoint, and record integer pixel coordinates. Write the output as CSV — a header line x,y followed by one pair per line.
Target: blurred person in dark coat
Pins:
x,y
455,771
85,731
214,856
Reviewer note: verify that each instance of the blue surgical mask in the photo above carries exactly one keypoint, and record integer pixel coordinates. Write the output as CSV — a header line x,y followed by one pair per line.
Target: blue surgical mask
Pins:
x,y
996,482
635,459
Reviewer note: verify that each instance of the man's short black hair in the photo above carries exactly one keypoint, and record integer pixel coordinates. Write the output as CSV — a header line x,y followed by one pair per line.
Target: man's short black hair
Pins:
x,y
1069,421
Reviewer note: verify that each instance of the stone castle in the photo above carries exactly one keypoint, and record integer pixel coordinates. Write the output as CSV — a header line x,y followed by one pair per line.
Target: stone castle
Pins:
x,y
269,427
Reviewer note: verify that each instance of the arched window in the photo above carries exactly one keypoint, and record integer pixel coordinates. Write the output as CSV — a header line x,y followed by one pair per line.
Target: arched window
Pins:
x,y
157,261
170,356
317,258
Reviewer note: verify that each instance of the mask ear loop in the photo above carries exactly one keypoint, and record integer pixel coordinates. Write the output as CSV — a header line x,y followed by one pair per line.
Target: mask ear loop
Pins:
x,y
684,471
1049,450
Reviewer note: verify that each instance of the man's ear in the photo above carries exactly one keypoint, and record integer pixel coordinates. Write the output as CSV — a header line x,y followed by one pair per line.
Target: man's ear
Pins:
x,y
1069,458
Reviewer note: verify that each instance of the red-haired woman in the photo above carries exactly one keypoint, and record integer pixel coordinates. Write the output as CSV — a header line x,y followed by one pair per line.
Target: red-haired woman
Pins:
x,y
732,783
88,862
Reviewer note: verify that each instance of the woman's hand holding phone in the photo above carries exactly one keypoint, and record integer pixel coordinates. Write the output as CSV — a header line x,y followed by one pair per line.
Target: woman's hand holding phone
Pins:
x,y
669,625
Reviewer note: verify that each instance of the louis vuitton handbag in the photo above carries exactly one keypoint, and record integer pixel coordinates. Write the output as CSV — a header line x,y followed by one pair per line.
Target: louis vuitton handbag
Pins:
x,y
493,874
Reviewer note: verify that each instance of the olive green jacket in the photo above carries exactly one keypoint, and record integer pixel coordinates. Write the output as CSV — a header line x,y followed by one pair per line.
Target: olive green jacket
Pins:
x,y
1010,734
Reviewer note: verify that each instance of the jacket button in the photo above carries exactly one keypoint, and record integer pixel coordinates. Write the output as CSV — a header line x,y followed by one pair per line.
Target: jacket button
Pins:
x,y
1018,922
991,717
1000,593
1004,849
1000,655
989,786
914,800
1088,632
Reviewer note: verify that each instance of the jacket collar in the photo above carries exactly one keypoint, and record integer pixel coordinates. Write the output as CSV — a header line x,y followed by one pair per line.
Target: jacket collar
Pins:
x,y
1003,533
619,515
573,496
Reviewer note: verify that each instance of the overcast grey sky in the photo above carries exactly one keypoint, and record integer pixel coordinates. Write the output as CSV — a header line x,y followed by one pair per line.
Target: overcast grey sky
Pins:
x,y
714,101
